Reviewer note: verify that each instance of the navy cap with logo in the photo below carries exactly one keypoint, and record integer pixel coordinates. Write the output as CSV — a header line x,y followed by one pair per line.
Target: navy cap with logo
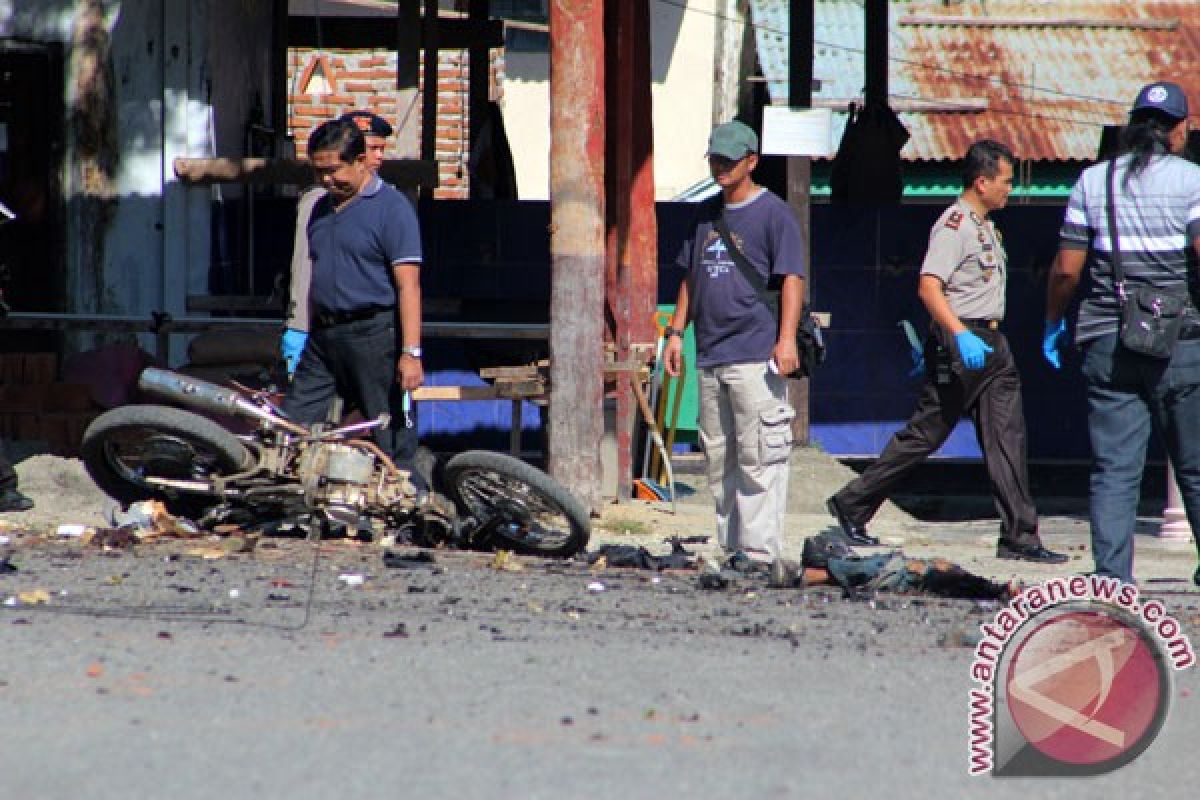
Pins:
x,y
733,140
1163,96
369,123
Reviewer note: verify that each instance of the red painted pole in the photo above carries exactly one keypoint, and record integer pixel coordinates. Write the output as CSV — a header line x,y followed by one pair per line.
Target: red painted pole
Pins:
x,y
631,277
577,245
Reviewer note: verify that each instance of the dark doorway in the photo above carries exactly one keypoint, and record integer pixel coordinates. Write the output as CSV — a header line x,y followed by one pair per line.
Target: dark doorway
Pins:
x,y
31,144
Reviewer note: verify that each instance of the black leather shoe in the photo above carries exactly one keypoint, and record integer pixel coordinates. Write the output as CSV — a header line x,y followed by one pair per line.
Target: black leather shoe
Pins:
x,y
12,500
1033,552
743,563
853,534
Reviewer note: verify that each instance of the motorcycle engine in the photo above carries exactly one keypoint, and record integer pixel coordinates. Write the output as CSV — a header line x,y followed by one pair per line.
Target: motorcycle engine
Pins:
x,y
344,480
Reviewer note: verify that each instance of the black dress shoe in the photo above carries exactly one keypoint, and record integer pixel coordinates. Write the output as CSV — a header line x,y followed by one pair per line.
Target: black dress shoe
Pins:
x,y
12,500
1032,552
853,534
741,562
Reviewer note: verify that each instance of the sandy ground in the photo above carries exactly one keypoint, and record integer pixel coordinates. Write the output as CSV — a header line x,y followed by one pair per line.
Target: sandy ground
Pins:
x,y
65,494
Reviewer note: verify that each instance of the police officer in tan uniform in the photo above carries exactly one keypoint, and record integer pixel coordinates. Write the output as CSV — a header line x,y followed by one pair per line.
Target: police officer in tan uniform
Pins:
x,y
969,367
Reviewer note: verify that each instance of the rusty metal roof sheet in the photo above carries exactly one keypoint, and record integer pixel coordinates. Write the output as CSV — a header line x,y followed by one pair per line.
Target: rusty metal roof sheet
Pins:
x,y
1044,76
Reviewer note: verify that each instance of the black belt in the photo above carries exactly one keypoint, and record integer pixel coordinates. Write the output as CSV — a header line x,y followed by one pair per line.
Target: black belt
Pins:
x,y
325,319
988,324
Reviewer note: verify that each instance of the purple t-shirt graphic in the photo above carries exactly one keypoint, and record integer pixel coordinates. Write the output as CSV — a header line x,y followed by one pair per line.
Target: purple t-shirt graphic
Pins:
x,y
733,326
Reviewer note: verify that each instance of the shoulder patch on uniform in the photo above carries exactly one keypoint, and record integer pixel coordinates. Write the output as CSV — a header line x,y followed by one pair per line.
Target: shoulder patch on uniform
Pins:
x,y
954,220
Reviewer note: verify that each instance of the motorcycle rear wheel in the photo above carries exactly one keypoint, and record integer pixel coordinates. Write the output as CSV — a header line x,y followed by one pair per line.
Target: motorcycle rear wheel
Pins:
x,y
124,447
519,507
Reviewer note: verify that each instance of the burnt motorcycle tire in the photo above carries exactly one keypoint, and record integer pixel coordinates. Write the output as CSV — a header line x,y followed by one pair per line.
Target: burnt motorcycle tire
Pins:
x,y
189,434
511,499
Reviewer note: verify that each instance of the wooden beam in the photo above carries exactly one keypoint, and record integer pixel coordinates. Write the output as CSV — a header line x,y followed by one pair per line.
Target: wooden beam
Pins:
x,y
1164,24
875,50
455,393
402,173
801,23
965,105
631,273
430,40
478,91
577,246
346,33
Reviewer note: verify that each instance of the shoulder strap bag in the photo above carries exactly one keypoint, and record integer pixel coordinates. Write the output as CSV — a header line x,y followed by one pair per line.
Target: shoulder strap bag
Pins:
x,y
1150,317
810,343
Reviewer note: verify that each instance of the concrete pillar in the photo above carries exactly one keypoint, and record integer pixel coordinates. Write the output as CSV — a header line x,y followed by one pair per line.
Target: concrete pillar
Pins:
x,y
1175,522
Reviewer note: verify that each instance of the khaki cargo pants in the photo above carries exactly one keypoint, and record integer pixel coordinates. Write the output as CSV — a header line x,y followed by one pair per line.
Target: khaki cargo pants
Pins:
x,y
746,432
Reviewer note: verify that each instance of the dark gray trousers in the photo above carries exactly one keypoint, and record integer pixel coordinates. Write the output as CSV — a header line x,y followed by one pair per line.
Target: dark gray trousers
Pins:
x,y
357,362
992,398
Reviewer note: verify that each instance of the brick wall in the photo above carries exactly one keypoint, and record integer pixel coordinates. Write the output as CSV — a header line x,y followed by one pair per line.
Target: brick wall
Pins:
x,y
367,79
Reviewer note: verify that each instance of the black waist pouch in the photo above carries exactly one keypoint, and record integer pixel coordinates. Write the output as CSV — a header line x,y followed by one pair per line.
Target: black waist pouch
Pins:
x,y
1151,319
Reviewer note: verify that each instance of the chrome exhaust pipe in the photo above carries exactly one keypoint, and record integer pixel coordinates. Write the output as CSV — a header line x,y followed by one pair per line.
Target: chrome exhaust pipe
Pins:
x,y
201,394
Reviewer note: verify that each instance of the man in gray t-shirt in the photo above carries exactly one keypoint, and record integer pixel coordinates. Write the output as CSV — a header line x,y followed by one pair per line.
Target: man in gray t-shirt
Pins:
x,y
969,367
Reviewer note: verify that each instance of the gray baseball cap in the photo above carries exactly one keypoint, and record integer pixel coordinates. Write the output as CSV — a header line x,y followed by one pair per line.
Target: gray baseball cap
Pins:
x,y
733,140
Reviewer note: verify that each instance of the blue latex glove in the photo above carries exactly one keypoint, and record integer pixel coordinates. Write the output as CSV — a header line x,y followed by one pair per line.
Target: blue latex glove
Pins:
x,y
972,349
1055,331
292,346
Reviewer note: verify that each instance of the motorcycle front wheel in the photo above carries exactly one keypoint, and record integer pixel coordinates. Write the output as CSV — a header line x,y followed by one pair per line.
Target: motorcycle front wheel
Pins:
x,y
125,448
517,507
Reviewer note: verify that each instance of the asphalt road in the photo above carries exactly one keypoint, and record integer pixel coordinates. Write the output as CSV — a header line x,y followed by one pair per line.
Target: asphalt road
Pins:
x,y
265,674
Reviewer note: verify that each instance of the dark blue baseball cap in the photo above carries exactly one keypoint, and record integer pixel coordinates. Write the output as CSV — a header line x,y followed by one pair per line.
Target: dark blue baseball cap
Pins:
x,y
1163,96
369,123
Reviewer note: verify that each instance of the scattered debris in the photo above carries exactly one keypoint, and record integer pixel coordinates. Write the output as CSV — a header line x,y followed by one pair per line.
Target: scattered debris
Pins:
x,y
206,553
149,519
957,637
111,538
33,597
624,555
504,561
409,560
398,632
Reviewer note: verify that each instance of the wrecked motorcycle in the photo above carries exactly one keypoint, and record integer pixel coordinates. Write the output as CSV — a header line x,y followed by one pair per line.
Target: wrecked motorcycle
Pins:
x,y
320,479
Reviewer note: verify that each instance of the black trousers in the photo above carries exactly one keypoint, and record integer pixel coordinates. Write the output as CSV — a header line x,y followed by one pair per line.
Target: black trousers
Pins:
x,y
992,398
357,362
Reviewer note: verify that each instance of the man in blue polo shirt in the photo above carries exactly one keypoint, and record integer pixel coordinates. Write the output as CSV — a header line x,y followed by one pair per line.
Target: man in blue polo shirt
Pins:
x,y
376,130
365,246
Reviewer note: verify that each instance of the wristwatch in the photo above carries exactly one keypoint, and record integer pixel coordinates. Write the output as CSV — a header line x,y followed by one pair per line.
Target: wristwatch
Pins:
x,y
412,350
668,332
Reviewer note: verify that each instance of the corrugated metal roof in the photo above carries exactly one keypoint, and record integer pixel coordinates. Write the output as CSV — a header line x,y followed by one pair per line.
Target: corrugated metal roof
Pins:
x,y
1048,88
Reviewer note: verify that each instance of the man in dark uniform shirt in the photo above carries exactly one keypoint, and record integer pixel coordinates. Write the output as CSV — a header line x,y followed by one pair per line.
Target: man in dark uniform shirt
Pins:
x,y
969,367
365,294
